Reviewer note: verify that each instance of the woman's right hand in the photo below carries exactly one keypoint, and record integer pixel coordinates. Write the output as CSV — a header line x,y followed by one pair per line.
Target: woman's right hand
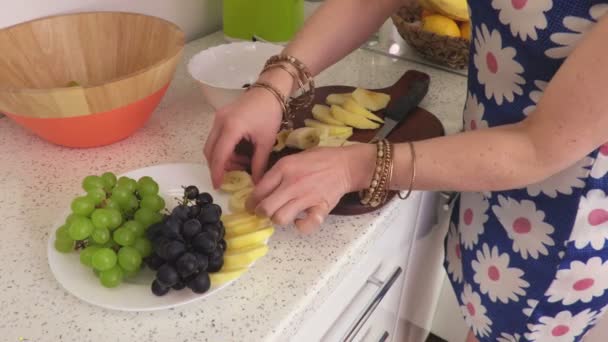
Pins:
x,y
256,117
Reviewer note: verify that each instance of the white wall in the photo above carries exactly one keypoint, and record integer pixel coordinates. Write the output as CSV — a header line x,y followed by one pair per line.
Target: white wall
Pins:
x,y
195,17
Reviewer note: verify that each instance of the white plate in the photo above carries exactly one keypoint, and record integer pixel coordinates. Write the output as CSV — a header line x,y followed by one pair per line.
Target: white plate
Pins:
x,y
135,295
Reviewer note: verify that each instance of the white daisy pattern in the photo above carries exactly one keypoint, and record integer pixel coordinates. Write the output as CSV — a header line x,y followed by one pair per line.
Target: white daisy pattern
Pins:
x,y
524,225
600,168
564,327
454,255
535,96
591,224
474,312
473,207
497,69
532,303
563,182
496,278
523,17
504,337
577,28
581,282
473,114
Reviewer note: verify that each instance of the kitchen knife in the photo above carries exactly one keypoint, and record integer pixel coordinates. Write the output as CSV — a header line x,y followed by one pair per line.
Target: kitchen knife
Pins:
x,y
399,110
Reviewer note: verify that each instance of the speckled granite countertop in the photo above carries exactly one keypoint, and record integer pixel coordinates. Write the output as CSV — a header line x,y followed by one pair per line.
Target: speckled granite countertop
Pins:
x,y
38,180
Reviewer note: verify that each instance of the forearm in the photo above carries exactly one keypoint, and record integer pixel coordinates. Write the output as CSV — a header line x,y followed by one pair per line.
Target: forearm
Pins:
x,y
337,28
333,31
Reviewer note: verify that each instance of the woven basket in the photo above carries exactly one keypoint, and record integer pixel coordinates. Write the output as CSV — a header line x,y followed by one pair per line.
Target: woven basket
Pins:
x,y
444,50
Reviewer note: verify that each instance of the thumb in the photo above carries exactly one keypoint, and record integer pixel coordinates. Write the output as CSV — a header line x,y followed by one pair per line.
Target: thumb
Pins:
x,y
260,160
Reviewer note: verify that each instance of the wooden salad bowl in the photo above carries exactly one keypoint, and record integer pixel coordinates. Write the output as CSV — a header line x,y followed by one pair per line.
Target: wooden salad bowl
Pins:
x,y
86,79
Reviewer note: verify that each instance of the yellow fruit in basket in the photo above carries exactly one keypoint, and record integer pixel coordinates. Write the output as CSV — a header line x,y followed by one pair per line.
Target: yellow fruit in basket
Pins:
x,y
455,9
249,239
425,4
425,13
243,257
223,277
441,25
465,30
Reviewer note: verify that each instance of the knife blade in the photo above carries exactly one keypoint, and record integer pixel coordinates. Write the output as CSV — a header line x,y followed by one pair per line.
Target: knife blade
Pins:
x,y
402,107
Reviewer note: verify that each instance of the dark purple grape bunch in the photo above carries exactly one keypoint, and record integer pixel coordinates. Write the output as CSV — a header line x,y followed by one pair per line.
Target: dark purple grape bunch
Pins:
x,y
188,244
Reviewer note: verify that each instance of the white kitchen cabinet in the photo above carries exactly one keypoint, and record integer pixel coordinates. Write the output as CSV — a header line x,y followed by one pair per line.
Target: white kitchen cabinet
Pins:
x,y
367,304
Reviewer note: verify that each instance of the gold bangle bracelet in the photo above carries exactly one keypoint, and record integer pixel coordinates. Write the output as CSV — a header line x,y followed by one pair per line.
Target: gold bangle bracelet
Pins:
x,y
280,97
413,170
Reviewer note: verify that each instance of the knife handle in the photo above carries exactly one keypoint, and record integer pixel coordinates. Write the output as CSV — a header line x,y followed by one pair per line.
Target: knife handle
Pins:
x,y
402,106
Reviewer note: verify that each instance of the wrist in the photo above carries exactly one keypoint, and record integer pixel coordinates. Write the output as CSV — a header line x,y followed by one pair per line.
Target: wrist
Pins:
x,y
280,79
361,164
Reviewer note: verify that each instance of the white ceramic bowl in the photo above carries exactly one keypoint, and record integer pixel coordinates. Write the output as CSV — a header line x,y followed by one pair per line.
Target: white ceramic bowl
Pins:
x,y
222,70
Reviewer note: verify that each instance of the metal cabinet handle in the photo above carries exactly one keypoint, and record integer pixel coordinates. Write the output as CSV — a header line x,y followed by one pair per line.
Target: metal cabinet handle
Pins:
x,y
384,337
383,288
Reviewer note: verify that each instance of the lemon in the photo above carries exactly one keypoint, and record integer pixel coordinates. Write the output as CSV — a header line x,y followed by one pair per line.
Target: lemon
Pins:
x,y
440,25
465,30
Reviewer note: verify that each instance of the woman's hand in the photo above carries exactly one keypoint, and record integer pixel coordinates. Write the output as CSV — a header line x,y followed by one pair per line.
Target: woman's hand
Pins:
x,y
256,117
312,182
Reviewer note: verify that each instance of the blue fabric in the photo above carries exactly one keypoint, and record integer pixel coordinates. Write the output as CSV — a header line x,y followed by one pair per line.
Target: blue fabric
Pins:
x,y
527,264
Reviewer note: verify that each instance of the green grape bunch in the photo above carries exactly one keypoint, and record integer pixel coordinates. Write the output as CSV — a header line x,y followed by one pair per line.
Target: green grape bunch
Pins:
x,y
107,225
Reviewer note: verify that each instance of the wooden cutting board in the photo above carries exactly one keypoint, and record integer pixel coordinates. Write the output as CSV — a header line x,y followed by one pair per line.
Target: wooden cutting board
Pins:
x,y
419,125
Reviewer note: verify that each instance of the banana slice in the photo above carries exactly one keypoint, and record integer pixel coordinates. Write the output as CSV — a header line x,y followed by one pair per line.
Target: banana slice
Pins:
x,y
304,138
222,277
238,200
281,137
243,257
352,106
237,218
323,114
332,142
247,227
333,130
370,99
343,136
351,119
235,181
337,99
250,239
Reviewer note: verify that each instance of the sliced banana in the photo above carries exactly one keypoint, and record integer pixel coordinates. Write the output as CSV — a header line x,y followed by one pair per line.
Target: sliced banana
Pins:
x,y
304,138
247,227
350,119
370,99
238,200
352,106
281,137
245,240
337,99
333,130
323,114
222,277
243,257
235,181
332,142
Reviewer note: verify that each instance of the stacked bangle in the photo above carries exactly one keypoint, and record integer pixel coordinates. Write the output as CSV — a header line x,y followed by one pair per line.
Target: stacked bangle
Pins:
x,y
379,188
304,80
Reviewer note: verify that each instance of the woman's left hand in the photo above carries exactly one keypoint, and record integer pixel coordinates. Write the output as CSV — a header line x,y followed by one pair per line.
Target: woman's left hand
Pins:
x,y
312,182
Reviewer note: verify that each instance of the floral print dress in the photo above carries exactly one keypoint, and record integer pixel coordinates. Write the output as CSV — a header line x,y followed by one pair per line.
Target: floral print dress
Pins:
x,y
529,264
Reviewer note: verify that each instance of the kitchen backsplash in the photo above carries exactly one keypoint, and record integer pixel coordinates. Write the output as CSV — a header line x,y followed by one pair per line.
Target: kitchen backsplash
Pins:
x,y
196,17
